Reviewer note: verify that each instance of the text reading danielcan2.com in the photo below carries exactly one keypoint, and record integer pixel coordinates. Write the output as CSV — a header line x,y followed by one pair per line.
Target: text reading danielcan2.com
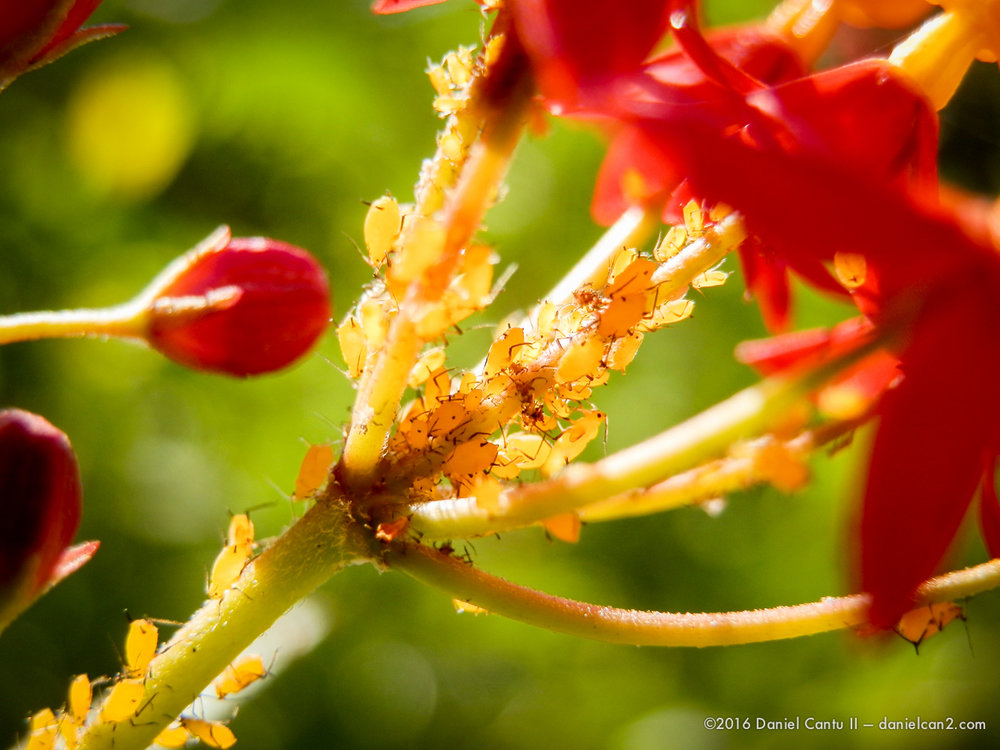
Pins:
x,y
851,723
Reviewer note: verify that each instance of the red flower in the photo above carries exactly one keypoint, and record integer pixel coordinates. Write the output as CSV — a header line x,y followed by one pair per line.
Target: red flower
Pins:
x,y
238,306
807,191
864,115
39,510
36,32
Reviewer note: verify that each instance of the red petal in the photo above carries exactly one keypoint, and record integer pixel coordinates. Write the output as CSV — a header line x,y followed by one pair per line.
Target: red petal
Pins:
x,y
72,559
583,44
766,278
927,456
78,13
385,7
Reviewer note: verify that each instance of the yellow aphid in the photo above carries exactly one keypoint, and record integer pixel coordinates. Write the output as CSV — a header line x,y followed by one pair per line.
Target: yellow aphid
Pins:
x,y
503,350
226,569
667,313
670,244
353,346
241,531
495,43
623,351
172,736
486,490
718,212
565,528
694,218
545,318
451,146
459,65
43,728
41,720
632,278
239,675
234,556
437,387
381,228
622,313
919,624
374,322
212,733
439,79
428,363
572,441
473,284
851,269
424,245
449,105
710,279
464,608
528,450
140,647
621,260
122,701
80,696
448,416
781,467
580,359
469,459
313,471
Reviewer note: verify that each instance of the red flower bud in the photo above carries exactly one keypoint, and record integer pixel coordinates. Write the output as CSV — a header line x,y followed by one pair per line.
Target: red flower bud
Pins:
x,y
240,306
39,509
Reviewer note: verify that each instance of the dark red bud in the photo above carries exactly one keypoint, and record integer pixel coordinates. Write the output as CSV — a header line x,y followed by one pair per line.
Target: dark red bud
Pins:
x,y
39,501
240,306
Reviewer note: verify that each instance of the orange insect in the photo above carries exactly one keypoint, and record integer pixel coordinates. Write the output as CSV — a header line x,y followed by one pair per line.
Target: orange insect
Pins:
x,y
122,701
140,647
212,733
42,728
234,556
919,624
239,675
313,472
77,707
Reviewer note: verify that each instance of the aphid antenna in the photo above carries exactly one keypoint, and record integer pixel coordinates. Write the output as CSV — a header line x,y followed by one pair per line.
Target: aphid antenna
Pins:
x,y
501,282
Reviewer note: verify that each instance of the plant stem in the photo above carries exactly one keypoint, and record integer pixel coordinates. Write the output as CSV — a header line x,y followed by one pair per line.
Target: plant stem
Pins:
x,y
645,628
321,543
122,321
713,479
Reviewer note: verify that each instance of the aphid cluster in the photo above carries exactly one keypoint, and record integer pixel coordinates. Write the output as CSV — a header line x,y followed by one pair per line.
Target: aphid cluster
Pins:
x,y
125,700
526,407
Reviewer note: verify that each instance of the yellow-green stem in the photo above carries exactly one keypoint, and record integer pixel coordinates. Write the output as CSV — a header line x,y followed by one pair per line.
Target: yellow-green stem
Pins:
x,y
123,321
323,542
645,628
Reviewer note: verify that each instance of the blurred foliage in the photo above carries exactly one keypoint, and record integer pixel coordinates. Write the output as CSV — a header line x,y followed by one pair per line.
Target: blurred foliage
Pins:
x,y
282,119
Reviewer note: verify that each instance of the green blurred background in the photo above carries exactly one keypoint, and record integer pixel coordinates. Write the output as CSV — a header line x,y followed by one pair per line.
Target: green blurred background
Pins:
x,y
281,119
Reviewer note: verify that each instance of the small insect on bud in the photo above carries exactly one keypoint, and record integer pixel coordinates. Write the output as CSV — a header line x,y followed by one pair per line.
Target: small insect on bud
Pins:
x,y
39,510
239,306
